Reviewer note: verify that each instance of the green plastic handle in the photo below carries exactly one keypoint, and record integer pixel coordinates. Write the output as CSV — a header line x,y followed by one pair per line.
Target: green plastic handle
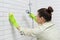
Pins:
x,y
33,16
13,20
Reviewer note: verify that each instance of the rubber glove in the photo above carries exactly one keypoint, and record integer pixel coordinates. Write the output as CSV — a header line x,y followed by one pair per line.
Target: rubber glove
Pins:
x,y
33,16
13,20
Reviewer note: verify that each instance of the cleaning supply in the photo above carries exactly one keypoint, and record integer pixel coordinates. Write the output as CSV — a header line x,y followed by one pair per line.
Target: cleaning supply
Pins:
x,y
13,20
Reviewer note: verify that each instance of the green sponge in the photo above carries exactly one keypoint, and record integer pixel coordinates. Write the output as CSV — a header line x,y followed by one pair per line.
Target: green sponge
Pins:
x,y
33,16
13,20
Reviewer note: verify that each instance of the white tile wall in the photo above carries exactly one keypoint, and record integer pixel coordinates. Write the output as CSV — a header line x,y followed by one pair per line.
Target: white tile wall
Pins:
x,y
7,32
